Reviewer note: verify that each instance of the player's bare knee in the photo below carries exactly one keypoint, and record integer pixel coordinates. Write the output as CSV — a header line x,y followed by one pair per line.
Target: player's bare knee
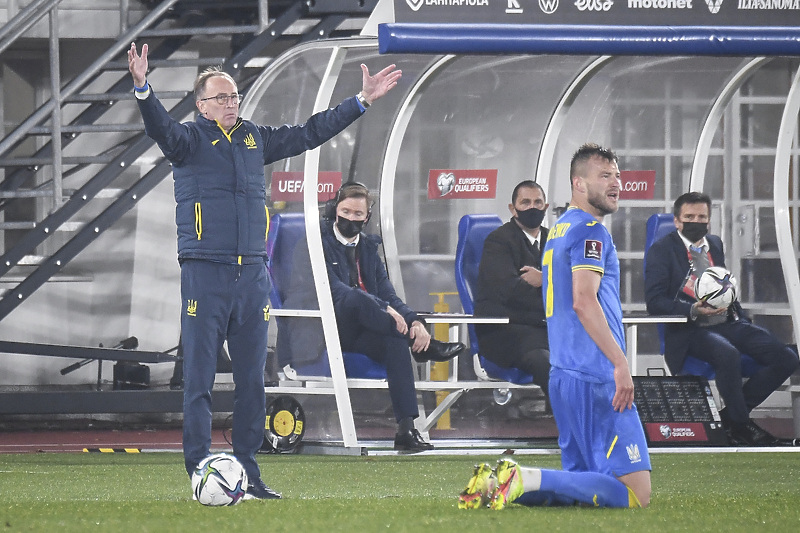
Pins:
x,y
642,488
639,484
643,495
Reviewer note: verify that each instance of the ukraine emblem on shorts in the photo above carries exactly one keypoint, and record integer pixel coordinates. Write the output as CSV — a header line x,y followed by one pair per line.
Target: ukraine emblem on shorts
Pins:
x,y
633,453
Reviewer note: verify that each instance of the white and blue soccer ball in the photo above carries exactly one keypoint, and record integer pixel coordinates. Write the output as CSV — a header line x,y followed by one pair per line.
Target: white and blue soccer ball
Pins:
x,y
716,287
218,480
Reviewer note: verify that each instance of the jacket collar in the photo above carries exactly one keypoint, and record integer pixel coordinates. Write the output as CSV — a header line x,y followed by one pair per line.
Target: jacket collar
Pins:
x,y
214,126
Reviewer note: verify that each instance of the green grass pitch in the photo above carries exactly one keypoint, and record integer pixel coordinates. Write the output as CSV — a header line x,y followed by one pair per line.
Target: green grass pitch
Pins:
x,y
745,492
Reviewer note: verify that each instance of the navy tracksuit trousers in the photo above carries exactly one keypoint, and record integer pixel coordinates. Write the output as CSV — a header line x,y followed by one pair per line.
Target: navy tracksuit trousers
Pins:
x,y
224,301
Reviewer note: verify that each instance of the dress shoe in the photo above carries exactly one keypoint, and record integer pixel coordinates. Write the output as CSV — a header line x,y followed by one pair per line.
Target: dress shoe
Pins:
x,y
439,351
750,434
762,437
411,441
737,438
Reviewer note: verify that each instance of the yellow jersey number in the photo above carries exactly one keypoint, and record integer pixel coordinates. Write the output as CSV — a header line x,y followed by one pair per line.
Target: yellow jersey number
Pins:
x,y
547,262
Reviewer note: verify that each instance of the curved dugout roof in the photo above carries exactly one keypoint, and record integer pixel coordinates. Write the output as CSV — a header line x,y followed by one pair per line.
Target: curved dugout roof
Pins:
x,y
423,38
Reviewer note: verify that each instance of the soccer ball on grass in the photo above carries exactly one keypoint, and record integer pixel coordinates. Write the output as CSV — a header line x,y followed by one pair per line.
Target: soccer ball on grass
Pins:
x,y
716,287
219,479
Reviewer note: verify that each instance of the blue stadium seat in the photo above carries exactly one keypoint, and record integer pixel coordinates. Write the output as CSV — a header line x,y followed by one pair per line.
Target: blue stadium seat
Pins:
x,y
658,226
472,232
285,231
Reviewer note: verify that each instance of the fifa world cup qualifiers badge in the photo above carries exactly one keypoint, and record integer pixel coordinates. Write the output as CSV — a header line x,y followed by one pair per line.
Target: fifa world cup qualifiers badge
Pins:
x,y
592,249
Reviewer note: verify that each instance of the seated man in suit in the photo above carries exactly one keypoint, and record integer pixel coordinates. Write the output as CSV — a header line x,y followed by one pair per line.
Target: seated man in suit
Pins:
x,y
510,284
717,336
370,317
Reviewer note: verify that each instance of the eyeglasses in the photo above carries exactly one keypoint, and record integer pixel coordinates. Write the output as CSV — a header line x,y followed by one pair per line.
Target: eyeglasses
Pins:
x,y
223,99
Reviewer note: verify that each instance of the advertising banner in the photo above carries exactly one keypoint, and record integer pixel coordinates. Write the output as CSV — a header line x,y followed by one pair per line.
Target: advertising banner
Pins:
x,y
602,12
289,186
637,184
450,184
678,410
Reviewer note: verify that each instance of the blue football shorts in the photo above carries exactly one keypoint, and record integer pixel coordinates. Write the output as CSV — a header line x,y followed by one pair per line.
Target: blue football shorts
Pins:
x,y
592,436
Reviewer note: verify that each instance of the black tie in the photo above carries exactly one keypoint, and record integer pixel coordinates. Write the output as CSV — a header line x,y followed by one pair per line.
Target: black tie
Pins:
x,y
535,250
350,251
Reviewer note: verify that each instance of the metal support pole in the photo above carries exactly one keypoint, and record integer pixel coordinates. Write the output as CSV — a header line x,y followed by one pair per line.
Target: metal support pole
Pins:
x,y
55,89
263,15
22,21
794,380
124,6
314,241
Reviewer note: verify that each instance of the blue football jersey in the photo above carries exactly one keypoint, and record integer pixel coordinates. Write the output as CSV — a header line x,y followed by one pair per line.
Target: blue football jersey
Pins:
x,y
577,242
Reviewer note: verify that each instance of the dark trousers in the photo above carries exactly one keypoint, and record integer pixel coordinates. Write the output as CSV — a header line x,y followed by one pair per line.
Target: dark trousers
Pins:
x,y
366,328
221,302
722,346
518,346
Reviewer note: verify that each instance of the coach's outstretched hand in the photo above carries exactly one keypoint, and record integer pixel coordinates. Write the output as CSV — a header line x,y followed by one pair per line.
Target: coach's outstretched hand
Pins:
x,y
374,87
137,65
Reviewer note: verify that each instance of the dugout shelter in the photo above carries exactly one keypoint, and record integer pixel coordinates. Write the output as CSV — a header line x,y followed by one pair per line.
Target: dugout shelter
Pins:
x,y
700,107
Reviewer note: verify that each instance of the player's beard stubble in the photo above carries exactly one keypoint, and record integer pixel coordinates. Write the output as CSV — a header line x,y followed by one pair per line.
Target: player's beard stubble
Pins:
x,y
601,202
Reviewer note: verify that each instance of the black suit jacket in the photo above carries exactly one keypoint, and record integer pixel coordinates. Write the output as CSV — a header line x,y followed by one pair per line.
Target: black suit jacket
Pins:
x,y
666,269
501,290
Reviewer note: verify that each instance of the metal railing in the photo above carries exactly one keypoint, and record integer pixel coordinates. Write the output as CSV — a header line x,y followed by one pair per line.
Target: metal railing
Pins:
x,y
24,20
134,148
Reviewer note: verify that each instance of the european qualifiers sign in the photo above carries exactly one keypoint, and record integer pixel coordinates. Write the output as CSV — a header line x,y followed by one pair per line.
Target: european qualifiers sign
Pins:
x,y
451,184
716,13
678,411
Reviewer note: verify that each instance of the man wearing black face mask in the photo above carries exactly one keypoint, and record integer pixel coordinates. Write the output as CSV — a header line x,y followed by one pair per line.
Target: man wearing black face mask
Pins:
x,y
370,317
717,336
510,284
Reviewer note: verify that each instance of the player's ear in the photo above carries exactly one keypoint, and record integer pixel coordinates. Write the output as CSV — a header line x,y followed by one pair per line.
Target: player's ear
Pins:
x,y
511,209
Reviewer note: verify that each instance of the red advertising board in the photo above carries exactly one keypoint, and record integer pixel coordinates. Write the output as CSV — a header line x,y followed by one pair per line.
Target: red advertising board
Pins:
x,y
449,184
637,184
289,186
676,432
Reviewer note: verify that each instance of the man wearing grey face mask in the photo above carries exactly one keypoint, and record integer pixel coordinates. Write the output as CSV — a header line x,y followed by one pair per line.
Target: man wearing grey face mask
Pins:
x,y
510,284
716,336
